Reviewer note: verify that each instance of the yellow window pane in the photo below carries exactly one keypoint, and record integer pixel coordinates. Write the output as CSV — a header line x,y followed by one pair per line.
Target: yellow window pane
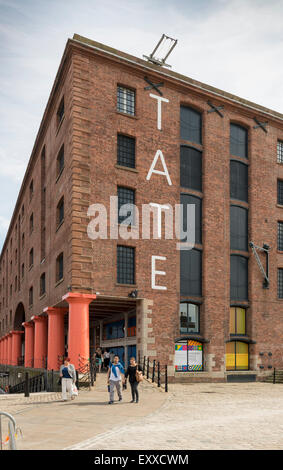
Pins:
x,y
230,356
241,321
242,356
232,320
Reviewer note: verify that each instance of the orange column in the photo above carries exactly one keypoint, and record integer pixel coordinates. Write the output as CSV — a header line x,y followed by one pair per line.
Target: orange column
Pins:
x,y
56,337
1,351
5,346
29,343
9,348
40,341
78,336
16,347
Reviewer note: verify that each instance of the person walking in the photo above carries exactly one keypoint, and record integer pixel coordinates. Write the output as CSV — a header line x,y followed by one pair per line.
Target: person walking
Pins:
x,y
106,358
68,378
131,372
98,358
115,375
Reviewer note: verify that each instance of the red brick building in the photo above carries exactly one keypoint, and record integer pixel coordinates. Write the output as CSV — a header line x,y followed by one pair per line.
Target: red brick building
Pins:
x,y
209,313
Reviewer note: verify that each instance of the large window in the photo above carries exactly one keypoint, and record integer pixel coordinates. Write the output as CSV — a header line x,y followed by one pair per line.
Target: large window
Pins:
x,y
190,168
126,151
126,196
125,100
125,265
238,228
188,199
238,181
237,356
238,141
280,192
280,236
238,277
191,272
189,318
237,321
190,125
279,151
280,283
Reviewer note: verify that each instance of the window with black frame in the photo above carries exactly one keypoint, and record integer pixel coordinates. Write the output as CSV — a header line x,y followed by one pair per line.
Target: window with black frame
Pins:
x,y
238,141
191,272
59,267
42,284
125,265
190,168
126,100
60,161
280,283
280,151
280,192
126,151
238,228
60,111
189,318
60,212
190,125
280,236
238,181
238,277
126,196
197,203
30,296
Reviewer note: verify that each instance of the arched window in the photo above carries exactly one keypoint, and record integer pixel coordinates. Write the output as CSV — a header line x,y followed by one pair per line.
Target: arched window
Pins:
x,y
190,125
238,141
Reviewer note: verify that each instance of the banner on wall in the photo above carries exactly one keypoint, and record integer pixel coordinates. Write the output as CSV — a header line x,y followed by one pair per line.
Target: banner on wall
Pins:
x,y
188,356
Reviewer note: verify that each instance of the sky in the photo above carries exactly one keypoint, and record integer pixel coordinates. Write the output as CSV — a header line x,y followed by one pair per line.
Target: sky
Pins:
x,y
234,45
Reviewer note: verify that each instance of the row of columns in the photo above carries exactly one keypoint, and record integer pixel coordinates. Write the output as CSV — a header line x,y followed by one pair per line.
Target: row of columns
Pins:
x,y
11,348
44,336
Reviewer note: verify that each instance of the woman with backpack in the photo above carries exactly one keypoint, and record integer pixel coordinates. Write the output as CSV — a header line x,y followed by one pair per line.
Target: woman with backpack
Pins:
x,y
134,372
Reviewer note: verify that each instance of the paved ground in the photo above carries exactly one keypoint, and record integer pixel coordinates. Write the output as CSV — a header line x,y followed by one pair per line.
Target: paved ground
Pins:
x,y
199,416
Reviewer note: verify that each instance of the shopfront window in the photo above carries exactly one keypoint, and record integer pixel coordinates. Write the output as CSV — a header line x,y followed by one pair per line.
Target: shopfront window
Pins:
x,y
188,356
237,356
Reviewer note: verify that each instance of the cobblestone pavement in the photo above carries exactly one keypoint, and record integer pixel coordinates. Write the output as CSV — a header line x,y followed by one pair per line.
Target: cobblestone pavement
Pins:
x,y
48,423
206,416
192,416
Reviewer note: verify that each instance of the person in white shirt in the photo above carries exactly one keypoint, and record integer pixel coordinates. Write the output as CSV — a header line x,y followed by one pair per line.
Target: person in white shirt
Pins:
x,y
115,375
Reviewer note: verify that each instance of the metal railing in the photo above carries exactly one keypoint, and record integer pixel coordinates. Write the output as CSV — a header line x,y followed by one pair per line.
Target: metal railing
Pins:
x,y
30,385
10,438
154,371
86,373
